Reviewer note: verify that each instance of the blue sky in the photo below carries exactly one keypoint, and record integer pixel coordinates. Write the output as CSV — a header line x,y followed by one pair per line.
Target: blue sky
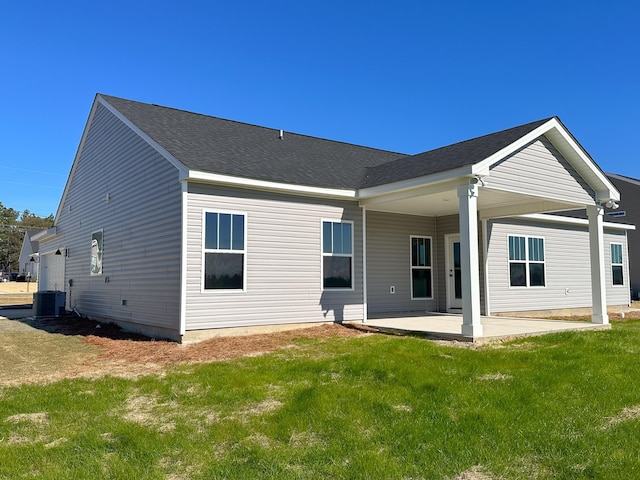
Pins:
x,y
407,76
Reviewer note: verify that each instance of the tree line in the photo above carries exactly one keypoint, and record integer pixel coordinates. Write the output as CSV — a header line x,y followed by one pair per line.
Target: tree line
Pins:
x,y
13,225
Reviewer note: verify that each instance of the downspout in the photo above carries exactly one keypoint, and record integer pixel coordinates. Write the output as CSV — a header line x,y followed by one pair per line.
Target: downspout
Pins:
x,y
364,264
183,258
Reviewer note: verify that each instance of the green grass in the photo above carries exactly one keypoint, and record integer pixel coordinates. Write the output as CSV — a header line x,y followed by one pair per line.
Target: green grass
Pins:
x,y
559,406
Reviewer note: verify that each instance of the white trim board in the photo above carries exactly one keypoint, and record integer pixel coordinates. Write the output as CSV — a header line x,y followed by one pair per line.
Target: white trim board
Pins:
x,y
573,221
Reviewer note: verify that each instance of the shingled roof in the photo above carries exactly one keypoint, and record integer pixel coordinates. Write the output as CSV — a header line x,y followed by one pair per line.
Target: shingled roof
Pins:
x,y
214,145
468,152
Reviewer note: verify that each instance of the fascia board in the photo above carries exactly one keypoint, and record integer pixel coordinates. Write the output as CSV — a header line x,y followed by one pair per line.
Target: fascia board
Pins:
x,y
87,125
574,221
605,191
429,189
99,100
182,169
464,171
206,177
517,145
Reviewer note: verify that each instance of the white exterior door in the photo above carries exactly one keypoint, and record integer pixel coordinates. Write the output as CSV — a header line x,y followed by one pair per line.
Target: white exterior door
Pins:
x,y
51,272
454,272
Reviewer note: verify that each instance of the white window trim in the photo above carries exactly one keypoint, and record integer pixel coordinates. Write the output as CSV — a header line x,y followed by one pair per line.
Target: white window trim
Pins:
x,y
411,267
527,261
220,291
101,231
352,255
617,264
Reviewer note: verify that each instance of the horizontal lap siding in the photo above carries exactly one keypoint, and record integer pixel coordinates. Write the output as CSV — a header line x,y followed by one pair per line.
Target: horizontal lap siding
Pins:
x,y
539,169
450,225
389,261
567,268
141,224
283,268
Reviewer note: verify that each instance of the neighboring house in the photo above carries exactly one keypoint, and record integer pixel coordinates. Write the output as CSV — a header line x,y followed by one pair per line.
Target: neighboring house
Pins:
x,y
173,221
629,211
27,260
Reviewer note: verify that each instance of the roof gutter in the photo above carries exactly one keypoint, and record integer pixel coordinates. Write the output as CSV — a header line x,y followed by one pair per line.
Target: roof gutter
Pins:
x,y
205,177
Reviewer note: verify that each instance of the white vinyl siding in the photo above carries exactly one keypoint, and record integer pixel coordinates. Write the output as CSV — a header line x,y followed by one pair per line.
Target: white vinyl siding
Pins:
x,y
388,262
543,166
119,184
284,262
567,267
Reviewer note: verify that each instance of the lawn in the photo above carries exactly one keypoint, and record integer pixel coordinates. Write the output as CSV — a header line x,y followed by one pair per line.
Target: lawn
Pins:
x,y
377,406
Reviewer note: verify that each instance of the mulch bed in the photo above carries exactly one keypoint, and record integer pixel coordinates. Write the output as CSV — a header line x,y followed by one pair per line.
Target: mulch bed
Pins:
x,y
120,346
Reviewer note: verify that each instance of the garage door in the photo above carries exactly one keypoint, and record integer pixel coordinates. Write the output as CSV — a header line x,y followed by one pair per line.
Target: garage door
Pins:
x,y
51,272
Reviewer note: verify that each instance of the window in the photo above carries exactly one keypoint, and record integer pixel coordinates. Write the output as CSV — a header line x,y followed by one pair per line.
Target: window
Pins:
x,y
337,255
526,261
616,264
96,252
224,251
421,279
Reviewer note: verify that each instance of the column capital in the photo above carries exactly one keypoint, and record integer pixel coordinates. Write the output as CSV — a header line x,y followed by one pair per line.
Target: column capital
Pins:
x,y
595,210
468,190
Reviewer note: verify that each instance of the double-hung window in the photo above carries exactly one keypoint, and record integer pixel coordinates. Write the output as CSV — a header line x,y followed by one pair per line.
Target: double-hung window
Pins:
x,y
616,264
526,261
224,251
421,277
337,255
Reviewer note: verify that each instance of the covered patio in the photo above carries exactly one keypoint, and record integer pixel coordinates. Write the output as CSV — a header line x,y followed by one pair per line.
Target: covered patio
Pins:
x,y
526,171
447,326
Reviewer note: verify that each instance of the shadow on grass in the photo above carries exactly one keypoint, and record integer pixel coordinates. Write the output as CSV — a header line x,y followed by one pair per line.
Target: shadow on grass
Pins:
x,y
72,325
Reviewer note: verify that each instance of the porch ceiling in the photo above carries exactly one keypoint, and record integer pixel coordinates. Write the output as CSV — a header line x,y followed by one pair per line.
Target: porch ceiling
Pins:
x,y
491,203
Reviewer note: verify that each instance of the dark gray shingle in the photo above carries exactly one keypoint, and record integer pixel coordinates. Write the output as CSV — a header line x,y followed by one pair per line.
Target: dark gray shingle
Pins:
x,y
214,145
227,147
442,159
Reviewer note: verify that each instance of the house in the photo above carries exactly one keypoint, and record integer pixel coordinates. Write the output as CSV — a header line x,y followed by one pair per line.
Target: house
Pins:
x,y
172,222
628,211
26,261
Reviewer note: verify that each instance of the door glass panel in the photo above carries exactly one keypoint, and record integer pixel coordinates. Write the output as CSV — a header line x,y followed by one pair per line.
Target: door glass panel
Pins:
x,y
457,272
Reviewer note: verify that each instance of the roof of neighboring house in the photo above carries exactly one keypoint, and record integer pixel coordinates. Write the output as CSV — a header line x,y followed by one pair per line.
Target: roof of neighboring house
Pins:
x,y
34,243
226,147
624,178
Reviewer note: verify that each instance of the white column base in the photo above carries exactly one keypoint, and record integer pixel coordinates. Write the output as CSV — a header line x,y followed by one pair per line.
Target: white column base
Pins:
x,y
600,319
472,331
469,259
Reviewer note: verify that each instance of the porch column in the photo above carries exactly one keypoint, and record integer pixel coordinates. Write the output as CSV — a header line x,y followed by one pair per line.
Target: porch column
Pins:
x,y
596,247
470,265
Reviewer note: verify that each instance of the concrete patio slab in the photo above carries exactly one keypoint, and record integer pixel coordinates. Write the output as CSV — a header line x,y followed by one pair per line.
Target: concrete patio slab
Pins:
x,y
449,327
